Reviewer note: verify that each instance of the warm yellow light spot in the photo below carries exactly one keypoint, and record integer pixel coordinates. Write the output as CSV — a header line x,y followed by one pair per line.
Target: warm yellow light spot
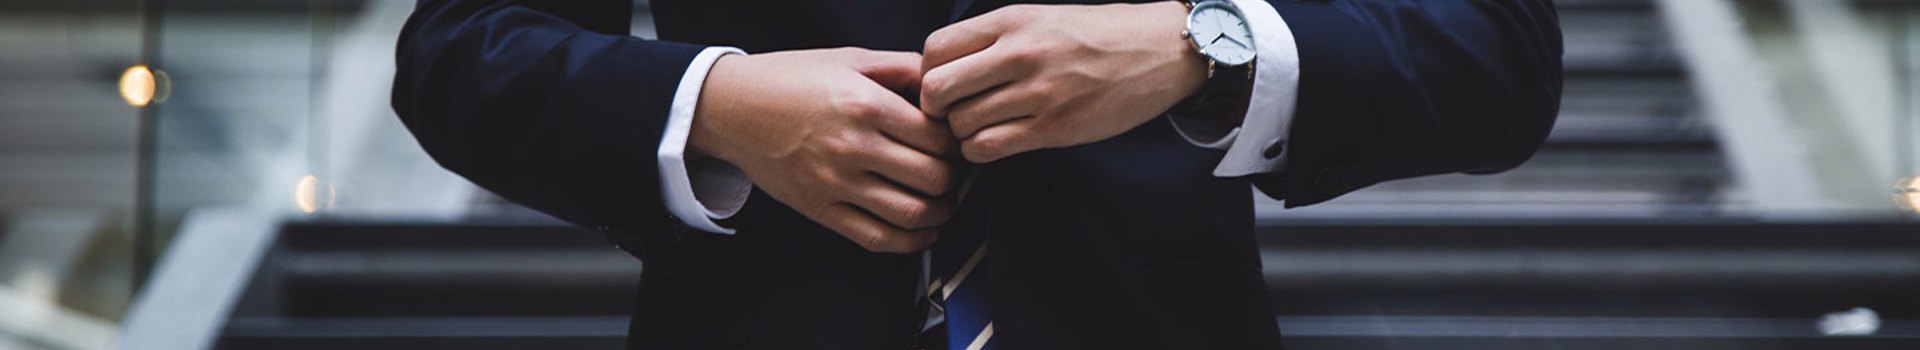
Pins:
x,y
137,86
310,195
1907,193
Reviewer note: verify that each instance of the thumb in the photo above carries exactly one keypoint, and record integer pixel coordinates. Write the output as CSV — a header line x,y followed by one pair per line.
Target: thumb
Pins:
x,y
896,70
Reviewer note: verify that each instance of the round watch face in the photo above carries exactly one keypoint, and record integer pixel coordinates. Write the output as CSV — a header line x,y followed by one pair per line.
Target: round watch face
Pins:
x,y
1221,33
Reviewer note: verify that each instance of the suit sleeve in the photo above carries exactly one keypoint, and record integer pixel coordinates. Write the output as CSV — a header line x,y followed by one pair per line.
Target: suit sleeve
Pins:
x,y
1392,89
551,104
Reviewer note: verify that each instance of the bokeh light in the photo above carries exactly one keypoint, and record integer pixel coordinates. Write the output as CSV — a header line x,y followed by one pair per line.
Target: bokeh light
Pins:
x,y
311,195
138,86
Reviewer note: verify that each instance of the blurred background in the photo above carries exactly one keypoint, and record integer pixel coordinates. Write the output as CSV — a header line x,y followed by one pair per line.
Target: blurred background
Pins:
x,y
1725,174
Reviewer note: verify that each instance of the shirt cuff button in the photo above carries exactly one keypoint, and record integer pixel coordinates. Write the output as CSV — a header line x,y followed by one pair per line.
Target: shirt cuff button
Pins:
x,y
1273,149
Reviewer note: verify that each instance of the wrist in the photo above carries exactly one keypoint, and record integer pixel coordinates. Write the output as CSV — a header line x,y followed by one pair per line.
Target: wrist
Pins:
x,y
712,110
1190,68
1226,62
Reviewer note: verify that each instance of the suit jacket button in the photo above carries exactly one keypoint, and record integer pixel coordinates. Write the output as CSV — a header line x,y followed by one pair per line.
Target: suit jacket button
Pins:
x,y
1273,149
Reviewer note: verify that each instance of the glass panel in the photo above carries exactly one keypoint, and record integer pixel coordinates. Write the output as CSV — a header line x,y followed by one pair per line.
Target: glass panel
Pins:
x,y
68,144
282,106
238,118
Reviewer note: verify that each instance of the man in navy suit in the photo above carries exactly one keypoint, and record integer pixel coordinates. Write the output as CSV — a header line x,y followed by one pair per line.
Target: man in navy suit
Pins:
x,y
771,182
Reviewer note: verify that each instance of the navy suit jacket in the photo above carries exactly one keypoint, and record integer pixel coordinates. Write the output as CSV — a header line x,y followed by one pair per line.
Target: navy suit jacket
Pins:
x,y
1126,243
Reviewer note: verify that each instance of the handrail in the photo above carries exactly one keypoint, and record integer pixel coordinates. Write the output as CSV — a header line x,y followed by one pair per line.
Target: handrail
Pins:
x,y
195,286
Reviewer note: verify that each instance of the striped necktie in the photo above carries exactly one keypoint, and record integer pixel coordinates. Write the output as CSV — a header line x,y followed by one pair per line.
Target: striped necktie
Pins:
x,y
959,288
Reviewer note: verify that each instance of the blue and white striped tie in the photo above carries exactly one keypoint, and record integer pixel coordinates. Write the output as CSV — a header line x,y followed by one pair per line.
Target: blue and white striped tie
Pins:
x,y
961,293
959,288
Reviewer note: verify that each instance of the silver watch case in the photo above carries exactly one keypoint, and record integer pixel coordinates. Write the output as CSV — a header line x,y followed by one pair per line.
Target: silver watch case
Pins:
x,y
1195,7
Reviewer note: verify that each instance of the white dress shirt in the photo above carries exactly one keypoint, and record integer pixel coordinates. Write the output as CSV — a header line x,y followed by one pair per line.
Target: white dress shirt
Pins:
x,y
704,190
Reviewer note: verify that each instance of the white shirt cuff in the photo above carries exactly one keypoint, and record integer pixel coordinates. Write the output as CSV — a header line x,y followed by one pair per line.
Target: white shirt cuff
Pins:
x,y
1276,86
703,190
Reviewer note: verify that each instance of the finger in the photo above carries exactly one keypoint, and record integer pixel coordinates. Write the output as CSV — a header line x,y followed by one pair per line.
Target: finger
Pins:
x,y
947,84
993,107
905,124
872,234
896,206
929,175
896,70
958,40
1003,140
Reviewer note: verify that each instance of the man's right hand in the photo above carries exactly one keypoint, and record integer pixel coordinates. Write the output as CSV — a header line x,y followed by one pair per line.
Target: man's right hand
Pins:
x,y
825,132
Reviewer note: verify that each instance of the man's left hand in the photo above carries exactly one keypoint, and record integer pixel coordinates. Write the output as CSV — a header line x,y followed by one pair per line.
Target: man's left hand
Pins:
x,y
1029,77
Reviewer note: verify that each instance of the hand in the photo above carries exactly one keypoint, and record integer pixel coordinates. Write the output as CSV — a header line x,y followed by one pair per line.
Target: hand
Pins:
x,y
1028,77
823,132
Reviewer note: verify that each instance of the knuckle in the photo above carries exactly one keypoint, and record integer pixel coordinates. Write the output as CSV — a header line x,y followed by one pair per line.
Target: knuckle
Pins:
x,y
987,144
833,146
917,124
940,179
957,112
1049,109
1042,87
933,85
857,105
874,241
841,145
974,150
817,210
914,214
985,149
1027,55
973,107
827,177
849,147
939,40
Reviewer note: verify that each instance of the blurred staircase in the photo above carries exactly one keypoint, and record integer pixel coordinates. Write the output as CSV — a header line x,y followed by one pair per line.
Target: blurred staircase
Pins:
x,y
486,285
1630,140
1361,284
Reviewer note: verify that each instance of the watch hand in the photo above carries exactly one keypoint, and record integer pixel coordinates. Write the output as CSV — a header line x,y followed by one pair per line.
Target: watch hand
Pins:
x,y
1217,39
1235,41
1220,25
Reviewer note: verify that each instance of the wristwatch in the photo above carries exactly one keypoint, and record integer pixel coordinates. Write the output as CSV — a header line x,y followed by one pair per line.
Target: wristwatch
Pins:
x,y
1218,31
